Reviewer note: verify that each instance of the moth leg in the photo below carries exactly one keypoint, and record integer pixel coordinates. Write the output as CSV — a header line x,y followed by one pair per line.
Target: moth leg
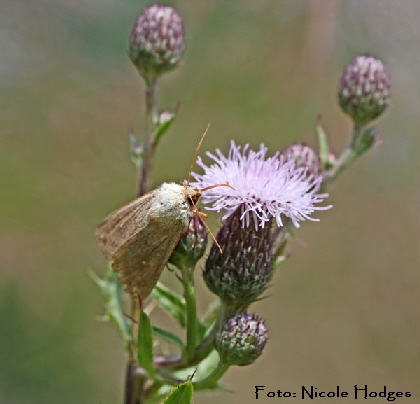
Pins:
x,y
200,214
131,318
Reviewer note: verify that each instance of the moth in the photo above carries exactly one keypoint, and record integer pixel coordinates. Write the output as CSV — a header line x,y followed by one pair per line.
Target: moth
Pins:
x,y
140,237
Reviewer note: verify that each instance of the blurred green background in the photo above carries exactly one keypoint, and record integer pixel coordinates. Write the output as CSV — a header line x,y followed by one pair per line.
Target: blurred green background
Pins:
x,y
343,310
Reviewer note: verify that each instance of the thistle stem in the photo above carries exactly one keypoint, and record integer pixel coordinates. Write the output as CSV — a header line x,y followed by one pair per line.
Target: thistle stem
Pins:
x,y
211,380
148,149
344,161
135,379
191,305
364,137
145,172
207,345
201,351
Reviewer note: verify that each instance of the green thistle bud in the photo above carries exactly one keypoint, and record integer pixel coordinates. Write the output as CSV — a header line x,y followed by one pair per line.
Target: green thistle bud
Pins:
x,y
241,339
241,272
304,156
364,89
191,247
156,42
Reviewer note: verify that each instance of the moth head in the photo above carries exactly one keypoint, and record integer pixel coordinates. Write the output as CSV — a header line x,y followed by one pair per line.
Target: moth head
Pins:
x,y
192,194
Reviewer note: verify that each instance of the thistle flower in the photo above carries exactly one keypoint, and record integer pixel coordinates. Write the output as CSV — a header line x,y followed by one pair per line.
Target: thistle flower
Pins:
x,y
156,42
239,273
265,188
241,339
364,89
304,156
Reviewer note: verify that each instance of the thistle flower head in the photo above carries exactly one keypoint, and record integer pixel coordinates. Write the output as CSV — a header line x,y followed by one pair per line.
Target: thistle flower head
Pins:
x,y
304,156
241,339
264,188
192,245
156,42
364,89
240,273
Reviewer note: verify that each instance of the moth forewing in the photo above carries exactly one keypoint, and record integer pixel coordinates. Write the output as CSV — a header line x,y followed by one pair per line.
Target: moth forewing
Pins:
x,y
140,237
142,259
121,225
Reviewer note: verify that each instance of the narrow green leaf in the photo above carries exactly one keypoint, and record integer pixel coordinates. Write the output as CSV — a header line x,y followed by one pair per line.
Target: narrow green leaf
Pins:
x,y
280,253
112,290
212,313
207,368
324,148
171,302
145,344
206,323
136,149
201,330
167,336
166,120
183,394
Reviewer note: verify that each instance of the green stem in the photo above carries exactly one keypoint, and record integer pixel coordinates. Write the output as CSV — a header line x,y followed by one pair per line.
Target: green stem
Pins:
x,y
145,172
212,379
344,161
364,137
207,345
201,351
148,150
191,306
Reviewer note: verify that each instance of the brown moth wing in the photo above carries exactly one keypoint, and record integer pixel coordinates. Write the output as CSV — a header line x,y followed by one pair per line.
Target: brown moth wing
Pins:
x,y
123,224
141,260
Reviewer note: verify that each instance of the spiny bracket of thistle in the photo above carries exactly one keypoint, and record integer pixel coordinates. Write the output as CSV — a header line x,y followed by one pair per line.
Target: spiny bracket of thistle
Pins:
x,y
241,339
364,89
241,272
157,44
363,94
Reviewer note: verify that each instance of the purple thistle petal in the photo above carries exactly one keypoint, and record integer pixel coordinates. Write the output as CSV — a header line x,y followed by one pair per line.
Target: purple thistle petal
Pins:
x,y
264,187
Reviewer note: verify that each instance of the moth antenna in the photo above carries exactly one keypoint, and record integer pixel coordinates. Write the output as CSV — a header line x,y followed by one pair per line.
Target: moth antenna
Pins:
x,y
217,185
196,152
